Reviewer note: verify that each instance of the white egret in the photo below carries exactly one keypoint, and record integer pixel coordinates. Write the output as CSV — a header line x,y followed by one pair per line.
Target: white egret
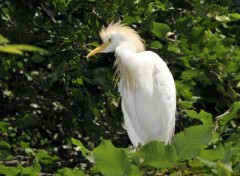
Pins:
x,y
145,84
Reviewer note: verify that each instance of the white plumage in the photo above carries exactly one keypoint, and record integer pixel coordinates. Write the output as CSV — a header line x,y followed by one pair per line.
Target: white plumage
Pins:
x,y
145,84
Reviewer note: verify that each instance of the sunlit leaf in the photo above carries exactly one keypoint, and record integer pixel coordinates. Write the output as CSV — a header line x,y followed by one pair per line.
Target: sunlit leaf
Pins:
x,y
212,154
3,40
224,119
4,127
9,171
160,29
222,18
69,172
110,160
81,147
156,154
224,169
235,16
10,49
156,45
189,142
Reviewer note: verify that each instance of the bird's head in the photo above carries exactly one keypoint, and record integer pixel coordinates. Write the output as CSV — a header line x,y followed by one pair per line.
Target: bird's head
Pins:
x,y
117,34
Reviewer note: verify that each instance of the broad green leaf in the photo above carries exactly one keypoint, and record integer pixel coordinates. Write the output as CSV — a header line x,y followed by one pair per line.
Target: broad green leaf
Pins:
x,y
160,29
191,113
4,127
156,154
119,2
156,45
69,172
200,11
224,169
203,116
135,170
3,40
33,170
129,20
45,158
110,160
9,171
189,142
224,119
185,104
212,154
222,18
189,74
197,34
4,155
173,47
4,145
232,66
37,58
235,16
81,147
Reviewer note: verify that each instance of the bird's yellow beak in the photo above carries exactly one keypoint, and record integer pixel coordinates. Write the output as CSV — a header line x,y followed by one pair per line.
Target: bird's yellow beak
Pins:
x,y
99,49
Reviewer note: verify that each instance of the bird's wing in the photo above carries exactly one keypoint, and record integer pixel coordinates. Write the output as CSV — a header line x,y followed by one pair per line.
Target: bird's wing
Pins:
x,y
166,91
149,110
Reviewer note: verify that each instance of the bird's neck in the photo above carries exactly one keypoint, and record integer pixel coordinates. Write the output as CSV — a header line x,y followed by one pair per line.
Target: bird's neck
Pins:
x,y
123,64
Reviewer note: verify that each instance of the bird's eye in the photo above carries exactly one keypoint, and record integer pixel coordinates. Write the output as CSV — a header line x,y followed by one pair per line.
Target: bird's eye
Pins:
x,y
109,39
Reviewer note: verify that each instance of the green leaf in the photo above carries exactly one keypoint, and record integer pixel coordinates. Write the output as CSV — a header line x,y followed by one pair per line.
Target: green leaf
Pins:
x,y
156,154
189,142
160,29
224,119
110,160
224,169
222,18
189,74
4,145
156,45
212,154
200,11
69,172
4,127
3,40
197,34
235,16
129,20
9,171
45,158
119,3
173,47
135,171
81,147
19,48
10,49
4,155
203,116
37,58
232,66
78,81
25,47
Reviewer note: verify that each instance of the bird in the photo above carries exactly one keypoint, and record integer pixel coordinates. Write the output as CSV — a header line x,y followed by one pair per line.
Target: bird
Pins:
x,y
145,84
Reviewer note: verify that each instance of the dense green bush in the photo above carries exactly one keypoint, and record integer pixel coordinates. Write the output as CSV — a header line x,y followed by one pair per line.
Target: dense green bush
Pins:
x,y
59,110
